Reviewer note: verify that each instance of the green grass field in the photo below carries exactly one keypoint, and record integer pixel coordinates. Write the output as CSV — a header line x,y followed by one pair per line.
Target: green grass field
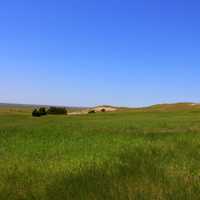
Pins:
x,y
106,156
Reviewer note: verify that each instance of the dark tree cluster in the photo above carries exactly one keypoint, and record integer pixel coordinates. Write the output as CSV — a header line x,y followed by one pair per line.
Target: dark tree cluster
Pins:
x,y
39,112
57,111
42,111
51,111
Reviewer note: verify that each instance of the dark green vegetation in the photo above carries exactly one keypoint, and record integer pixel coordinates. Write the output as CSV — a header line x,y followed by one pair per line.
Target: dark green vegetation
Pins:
x,y
91,111
123,155
57,111
39,112
42,111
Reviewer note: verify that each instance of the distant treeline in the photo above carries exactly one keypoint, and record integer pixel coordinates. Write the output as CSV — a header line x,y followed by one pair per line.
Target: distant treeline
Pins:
x,y
51,111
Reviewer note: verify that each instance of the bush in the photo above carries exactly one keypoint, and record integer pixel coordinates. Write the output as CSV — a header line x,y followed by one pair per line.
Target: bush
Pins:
x,y
103,110
52,110
91,111
42,111
57,111
36,113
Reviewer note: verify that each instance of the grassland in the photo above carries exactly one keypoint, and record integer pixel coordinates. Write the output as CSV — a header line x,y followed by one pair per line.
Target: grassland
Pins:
x,y
106,156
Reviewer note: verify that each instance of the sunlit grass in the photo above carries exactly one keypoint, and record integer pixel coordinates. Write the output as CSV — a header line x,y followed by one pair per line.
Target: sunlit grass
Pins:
x,y
124,155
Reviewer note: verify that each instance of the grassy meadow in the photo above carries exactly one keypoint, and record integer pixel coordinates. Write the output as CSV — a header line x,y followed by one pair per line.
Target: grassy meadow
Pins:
x,y
125,155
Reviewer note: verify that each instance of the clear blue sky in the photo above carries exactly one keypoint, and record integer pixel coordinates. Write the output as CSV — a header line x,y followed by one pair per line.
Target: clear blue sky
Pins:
x,y
120,52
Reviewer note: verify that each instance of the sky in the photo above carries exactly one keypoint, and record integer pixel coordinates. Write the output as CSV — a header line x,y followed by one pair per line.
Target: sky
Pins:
x,y
94,52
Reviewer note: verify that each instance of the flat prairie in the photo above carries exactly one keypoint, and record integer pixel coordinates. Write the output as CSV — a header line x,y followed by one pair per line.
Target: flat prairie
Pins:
x,y
130,154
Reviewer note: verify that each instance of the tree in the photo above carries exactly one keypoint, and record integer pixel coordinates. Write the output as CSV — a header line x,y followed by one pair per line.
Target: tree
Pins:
x,y
57,111
42,111
35,113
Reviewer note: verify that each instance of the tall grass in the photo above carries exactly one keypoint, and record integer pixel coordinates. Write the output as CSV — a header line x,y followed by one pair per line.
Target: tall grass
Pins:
x,y
125,155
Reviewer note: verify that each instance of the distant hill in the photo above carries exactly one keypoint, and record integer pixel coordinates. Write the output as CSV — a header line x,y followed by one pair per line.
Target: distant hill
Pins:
x,y
174,106
15,105
105,108
157,107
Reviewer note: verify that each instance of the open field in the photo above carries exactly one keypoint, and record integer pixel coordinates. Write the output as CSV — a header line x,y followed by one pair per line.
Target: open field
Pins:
x,y
130,154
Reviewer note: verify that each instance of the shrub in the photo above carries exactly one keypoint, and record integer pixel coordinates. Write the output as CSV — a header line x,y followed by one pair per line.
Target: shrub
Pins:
x,y
36,113
42,111
57,111
91,111
103,110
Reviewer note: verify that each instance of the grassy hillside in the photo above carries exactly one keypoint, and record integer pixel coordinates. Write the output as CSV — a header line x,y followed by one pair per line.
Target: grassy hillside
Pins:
x,y
122,155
